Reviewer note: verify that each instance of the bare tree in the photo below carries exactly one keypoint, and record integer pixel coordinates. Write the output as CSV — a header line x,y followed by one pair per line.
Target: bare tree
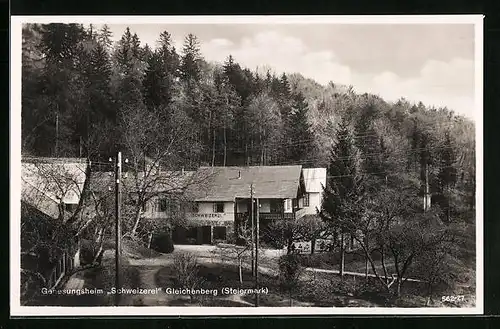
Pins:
x,y
186,269
154,144
236,253
49,222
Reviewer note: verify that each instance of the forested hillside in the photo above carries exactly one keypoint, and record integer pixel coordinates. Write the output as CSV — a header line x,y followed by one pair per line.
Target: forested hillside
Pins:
x,y
84,95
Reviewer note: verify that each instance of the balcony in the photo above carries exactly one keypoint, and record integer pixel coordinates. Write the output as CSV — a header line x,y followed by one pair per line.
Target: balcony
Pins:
x,y
266,216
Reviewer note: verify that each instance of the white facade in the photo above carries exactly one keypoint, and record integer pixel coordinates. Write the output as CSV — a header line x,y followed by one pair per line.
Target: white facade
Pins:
x,y
314,181
314,204
209,210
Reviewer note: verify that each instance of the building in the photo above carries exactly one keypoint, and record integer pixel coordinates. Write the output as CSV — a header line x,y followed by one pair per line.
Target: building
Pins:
x,y
51,192
223,198
162,194
314,182
208,205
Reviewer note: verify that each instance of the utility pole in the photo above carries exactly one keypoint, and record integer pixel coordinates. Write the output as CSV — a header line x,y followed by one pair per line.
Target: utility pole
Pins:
x,y
257,255
118,175
252,230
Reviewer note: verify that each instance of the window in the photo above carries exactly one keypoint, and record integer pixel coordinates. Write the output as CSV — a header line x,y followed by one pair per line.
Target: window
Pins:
x,y
70,207
163,205
288,204
219,233
276,206
219,207
195,207
306,200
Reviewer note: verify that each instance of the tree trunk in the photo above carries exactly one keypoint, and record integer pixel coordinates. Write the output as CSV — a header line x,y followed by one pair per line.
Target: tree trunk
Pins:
x,y
382,259
225,145
429,295
149,240
313,245
137,220
100,240
240,271
342,256
366,268
213,149
246,153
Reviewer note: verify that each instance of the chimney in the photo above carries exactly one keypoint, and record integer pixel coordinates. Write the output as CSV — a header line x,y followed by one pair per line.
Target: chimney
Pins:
x,y
239,174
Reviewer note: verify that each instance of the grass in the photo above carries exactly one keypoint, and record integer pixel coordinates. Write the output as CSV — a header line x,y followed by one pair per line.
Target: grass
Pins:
x,y
214,276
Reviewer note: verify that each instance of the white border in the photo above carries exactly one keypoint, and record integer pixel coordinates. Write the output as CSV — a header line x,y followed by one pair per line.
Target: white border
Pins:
x,y
15,161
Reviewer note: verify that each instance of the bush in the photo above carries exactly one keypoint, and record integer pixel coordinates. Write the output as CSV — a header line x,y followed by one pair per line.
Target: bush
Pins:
x,y
162,243
187,272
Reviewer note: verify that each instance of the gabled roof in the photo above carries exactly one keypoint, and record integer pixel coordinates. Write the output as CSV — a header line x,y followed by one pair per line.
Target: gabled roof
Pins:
x,y
46,182
228,183
59,179
314,179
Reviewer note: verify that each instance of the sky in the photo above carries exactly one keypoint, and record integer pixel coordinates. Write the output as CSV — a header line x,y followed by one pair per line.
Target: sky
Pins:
x,y
432,63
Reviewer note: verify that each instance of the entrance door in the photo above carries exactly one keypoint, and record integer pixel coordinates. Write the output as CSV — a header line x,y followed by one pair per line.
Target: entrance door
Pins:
x,y
206,235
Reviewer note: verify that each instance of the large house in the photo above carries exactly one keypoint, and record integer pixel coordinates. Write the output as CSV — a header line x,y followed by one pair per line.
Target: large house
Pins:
x,y
214,201
51,191
223,198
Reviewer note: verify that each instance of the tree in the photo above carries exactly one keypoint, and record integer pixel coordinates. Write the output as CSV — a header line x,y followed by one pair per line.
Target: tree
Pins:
x,y
34,106
264,127
300,139
61,88
447,175
129,73
104,37
100,111
285,233
290,271
344,191
227,103
234,252
48,228
186,269
191,60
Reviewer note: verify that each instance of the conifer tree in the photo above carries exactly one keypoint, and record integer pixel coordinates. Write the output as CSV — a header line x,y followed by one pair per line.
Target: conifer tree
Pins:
x,y
344,188
300,139
191,60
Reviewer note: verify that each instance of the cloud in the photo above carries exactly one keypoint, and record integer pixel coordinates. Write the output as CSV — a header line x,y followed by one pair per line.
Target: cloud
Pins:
x,y
280,52
438,83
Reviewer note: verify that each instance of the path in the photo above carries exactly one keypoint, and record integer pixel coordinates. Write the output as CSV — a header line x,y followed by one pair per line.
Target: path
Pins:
x,y
320,270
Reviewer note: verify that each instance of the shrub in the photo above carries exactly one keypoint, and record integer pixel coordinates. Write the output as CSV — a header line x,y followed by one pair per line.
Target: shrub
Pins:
x,y
290,270
186,272
162,243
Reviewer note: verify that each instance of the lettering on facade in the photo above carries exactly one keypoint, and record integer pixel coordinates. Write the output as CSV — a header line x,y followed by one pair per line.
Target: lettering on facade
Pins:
x,y
207,216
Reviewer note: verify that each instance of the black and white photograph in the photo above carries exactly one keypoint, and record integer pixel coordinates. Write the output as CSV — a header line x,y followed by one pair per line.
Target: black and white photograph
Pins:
x,y
219,165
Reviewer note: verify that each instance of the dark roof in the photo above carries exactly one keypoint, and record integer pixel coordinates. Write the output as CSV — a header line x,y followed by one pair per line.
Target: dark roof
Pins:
x,y
228,183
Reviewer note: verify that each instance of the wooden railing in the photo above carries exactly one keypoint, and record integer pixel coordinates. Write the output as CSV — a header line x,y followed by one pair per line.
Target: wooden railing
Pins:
x,y
266,216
